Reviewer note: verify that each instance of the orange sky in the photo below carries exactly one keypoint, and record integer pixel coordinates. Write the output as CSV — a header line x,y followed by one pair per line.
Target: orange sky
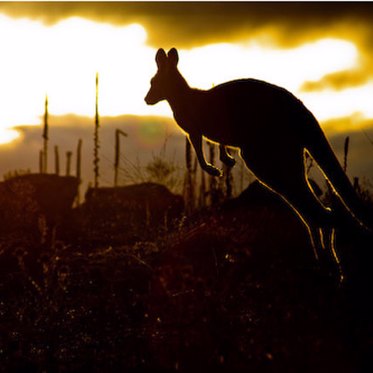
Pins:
x,y
322,52
318,51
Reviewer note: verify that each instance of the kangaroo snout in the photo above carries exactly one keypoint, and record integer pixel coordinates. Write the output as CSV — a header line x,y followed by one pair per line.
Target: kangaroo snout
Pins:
x,y
148,100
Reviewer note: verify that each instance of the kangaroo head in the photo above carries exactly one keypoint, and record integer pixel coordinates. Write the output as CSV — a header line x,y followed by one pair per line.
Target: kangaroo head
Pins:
x,y
163,83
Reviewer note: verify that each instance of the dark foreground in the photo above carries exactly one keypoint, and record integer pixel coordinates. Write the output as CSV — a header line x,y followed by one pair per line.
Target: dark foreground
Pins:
x,y
235,290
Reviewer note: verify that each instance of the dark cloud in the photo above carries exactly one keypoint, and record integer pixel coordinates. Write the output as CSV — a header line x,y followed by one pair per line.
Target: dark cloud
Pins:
x,y
191,24
361,35
339,80
186,24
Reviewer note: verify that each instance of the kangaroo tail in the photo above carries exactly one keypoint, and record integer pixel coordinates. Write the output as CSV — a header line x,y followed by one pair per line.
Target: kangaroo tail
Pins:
x,y
320,149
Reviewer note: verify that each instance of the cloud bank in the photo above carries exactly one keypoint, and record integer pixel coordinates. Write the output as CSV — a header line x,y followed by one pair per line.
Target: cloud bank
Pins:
x,y
147,136
195,23
192,24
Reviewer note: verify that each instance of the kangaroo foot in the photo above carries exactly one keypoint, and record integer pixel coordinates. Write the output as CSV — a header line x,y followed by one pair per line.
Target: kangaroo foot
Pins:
x,y
228,160
225,157
214,171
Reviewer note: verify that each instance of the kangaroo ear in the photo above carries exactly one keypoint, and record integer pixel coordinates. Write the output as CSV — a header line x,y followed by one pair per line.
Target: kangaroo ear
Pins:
x,y
161,58
173,57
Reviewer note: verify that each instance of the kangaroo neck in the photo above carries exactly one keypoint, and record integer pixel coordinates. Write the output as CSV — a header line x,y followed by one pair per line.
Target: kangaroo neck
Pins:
x,y
179,94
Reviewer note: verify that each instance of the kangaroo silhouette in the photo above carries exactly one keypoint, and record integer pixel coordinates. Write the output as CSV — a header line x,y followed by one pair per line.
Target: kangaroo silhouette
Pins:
x,y
273,130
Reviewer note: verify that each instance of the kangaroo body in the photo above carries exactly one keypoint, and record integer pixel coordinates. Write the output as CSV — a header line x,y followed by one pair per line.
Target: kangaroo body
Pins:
x,y
237,112
271,127
261,118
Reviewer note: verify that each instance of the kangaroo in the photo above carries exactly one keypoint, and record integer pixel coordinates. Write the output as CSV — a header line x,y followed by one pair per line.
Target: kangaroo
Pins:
x,y
273,130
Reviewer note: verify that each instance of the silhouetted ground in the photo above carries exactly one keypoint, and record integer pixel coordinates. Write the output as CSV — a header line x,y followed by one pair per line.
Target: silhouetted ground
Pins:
x,y
123,214
234,289
30,202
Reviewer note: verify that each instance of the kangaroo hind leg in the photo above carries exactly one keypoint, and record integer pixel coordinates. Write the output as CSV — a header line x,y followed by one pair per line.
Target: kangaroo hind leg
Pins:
x,y
288,179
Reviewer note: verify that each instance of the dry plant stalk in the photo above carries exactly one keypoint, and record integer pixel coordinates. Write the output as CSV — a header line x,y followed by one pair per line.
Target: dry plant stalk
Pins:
x,y
68,162
96,159
56,160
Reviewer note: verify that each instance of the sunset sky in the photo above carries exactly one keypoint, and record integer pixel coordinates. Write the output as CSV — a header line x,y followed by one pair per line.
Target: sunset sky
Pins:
x,y
322,52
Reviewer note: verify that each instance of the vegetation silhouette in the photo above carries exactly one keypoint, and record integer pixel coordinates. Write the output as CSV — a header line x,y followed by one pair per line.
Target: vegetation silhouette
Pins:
x,y
274,132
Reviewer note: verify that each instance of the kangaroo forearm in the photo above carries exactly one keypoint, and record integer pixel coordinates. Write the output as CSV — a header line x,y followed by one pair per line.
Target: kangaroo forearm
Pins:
x,y
196,141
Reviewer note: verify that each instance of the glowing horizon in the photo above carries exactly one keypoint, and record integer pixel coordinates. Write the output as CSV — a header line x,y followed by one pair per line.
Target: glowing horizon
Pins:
x,y
61,60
